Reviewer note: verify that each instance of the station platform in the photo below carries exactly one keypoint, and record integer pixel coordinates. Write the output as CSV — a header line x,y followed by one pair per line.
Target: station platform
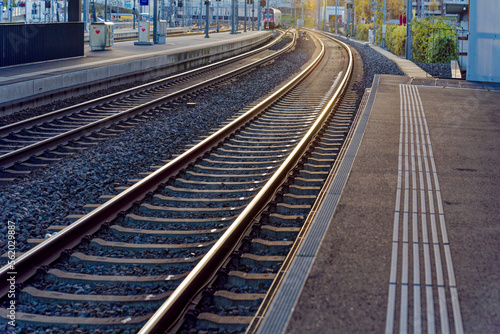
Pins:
x,y
407,236
138,62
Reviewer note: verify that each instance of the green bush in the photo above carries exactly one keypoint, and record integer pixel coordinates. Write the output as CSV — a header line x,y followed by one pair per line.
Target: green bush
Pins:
x,y
433,41
420,30
309,22
378,35
348,29
395,39
442,49
362,31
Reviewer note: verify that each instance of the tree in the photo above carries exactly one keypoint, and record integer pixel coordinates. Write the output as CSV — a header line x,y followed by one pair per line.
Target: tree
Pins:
x,y
363,10
395,8
433,5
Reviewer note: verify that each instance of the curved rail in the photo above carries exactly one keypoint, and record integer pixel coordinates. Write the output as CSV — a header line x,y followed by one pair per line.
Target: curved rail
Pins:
x,y
4,130
259,315
172,309
49,250
24,153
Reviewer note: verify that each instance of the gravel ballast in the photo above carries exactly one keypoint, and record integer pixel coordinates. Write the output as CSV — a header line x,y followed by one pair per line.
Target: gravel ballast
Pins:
x,y
48,195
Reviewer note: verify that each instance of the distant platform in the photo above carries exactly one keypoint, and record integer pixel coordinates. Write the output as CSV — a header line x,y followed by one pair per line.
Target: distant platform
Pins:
x,y
22,82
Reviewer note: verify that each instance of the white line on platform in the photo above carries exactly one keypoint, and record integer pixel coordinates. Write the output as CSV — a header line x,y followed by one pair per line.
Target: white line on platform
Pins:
x,y
415,165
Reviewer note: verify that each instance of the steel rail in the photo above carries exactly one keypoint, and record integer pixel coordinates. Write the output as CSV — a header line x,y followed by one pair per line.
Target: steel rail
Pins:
x,y
264,306
38,120
24,153
169,313
28,263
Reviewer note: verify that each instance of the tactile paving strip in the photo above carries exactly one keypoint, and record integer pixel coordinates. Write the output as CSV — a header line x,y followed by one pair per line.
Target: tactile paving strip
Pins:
x,y
289,292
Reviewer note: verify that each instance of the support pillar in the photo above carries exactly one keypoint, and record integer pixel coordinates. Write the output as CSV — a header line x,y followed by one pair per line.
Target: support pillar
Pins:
x,y
74,10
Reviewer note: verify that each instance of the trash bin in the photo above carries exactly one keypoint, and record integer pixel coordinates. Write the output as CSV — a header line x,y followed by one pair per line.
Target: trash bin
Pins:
x,y
162,31
144,30
101,36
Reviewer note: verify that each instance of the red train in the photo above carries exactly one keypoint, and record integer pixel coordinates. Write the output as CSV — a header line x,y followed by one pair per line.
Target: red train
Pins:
x,y
272,19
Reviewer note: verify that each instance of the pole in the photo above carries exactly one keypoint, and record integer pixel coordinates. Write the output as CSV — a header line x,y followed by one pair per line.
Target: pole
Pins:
x,y
233,21
201,12
336,14
207,6
10,10
409,14
324,15
384,15
245,23
155,22
85,15
353,34
318,13
267,15
349,21
253,15
259,16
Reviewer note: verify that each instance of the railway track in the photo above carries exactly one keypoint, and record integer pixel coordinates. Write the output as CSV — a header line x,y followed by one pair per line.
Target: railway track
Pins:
x,y
235,299
167,235
24,145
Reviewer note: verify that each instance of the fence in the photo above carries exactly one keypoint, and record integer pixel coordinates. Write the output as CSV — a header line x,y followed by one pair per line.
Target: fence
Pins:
x,y
438,45
433,44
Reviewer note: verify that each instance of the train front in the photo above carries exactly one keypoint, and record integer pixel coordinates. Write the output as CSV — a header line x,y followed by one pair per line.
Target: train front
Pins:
x,y
269,18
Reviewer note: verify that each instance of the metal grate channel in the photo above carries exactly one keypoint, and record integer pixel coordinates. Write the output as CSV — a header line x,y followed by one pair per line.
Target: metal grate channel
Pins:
x,y
289,292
